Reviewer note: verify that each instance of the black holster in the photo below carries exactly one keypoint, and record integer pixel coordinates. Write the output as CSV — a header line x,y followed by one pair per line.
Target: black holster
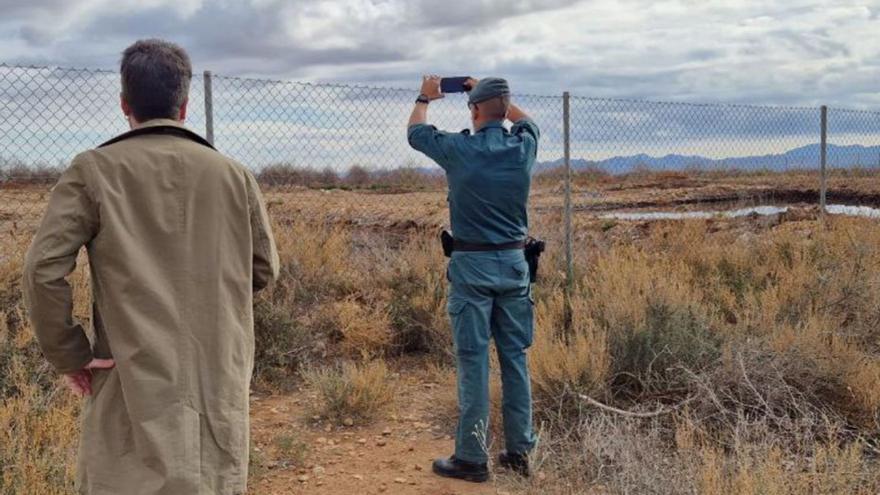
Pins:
x,y
448,243
534,248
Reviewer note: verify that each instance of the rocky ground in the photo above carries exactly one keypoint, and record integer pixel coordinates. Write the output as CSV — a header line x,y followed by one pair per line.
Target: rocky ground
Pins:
x,y
293,452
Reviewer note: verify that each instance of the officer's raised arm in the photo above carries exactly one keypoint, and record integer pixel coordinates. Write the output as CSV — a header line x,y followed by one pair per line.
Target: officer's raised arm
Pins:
x,y
516,114
422,136
525,128
430,91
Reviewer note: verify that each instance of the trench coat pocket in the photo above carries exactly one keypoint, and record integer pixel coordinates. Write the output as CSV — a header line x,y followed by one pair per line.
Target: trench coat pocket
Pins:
x,y
104,421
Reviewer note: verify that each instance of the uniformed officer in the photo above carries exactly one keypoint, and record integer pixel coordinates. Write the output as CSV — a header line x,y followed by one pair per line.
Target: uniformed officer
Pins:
x,y
489,176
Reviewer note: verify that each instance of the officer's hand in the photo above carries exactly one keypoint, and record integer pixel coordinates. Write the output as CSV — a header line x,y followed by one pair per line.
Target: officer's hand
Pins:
x,y
80,382
470,84
431,87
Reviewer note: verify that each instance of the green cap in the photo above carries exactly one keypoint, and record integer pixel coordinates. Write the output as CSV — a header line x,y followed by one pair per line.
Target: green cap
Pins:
x,y
488,88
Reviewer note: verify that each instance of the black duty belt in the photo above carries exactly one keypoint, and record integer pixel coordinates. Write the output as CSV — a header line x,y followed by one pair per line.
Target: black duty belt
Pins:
x,y
532,248
467,246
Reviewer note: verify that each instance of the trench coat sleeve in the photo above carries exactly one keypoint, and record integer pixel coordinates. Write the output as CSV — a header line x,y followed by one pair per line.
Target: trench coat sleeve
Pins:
x,y
266,264
70,221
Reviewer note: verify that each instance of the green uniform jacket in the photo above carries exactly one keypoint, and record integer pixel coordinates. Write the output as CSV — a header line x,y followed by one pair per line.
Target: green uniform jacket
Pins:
x,y
178,240
489,174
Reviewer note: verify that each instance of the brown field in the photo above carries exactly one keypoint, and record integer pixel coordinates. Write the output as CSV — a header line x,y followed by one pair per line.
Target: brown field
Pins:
x,y
423,204
726,356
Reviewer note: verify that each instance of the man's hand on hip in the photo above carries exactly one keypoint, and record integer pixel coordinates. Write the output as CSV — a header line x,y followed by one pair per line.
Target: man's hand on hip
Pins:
x,y
80,382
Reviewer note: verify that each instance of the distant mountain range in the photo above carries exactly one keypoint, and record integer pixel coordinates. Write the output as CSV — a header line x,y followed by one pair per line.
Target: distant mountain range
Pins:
x,y
803,157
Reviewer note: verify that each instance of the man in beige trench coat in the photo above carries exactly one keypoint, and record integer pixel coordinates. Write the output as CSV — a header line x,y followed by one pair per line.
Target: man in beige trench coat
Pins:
x,y
178,240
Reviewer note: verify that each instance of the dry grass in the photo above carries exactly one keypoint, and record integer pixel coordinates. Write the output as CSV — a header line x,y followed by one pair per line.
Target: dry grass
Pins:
x,y
350,295
356,391
771,337
771,334
356,177
38,422
604,454
560,363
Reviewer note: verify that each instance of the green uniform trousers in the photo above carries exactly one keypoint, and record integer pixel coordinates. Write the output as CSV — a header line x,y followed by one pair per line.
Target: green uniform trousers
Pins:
x,y
490,296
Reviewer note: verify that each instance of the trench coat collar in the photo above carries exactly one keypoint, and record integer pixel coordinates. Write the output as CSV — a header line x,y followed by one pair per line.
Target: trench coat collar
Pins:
x,y
160,126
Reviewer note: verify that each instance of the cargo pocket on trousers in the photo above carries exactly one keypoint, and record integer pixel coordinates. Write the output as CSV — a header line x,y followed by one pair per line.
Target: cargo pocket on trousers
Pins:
x,y
463,325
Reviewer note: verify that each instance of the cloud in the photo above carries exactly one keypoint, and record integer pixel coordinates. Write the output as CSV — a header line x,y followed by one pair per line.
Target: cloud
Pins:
x,y
795,52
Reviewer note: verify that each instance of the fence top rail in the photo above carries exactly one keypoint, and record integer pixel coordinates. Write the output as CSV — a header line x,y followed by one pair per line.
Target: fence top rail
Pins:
x,y
325,84
574,98
745,106
5,65
862,111
215,75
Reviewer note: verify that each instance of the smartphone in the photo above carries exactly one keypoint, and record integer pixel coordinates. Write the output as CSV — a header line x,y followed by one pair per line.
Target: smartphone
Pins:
x,y
454,84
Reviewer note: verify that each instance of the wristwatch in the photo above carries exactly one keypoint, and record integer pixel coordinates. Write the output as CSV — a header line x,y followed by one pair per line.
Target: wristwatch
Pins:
x,y
423,99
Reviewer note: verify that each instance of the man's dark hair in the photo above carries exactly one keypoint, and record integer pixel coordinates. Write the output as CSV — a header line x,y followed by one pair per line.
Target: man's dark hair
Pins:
x,y
155,79
495,108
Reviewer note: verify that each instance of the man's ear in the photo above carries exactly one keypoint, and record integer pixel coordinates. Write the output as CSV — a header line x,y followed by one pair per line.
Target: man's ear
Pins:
x,y
126,109
182,115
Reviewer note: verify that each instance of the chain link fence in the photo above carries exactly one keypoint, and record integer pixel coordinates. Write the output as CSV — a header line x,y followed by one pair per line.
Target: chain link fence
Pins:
x,y
339,152
644,158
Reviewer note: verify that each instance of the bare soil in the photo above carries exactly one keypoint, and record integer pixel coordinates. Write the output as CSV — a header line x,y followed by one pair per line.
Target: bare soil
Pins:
x,y
392,455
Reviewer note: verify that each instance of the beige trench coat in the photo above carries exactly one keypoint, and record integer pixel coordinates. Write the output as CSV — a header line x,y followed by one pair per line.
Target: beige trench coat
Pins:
x,y
178,239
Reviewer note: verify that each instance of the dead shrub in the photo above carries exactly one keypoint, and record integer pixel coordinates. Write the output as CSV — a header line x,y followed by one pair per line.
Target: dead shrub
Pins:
x,y
316,259
287,174
358,176
651,358
282,345
357,391
562,364
417,300
363,330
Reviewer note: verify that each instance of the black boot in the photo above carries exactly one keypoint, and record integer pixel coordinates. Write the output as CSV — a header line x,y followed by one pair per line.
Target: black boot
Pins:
x,y
456,468
518,463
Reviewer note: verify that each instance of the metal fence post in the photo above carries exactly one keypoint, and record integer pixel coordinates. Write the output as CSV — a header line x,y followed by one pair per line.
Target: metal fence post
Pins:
x,y
569,254
823,156
209,108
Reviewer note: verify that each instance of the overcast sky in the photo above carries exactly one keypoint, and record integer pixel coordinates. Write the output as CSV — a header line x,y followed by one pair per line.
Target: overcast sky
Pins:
x,y
791,52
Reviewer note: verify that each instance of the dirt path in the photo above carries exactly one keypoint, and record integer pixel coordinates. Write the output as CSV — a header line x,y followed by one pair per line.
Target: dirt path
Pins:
x,y
296,454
